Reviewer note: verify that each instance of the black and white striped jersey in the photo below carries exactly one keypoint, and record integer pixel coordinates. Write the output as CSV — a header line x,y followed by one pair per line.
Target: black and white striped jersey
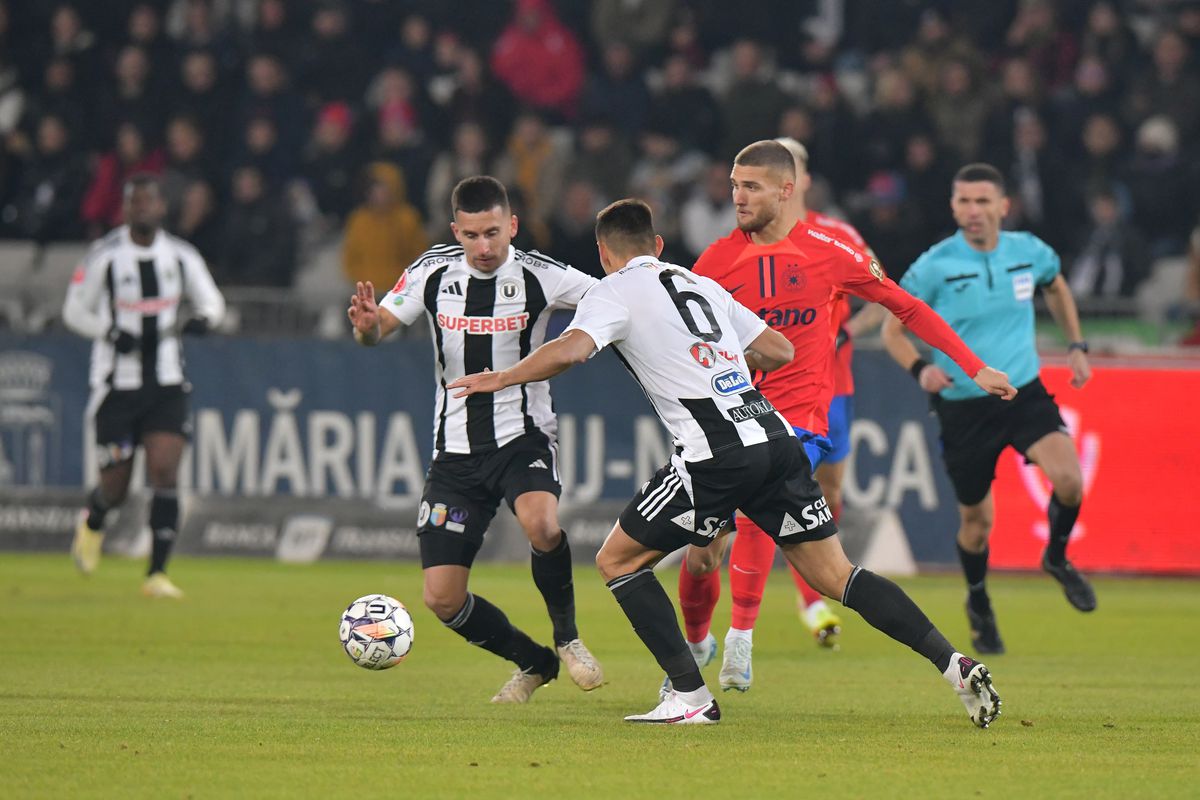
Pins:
x,y
683,338
486,321
122,286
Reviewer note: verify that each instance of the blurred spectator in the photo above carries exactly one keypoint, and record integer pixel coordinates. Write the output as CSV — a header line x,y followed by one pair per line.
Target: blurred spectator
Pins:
x,y
924,59
101,209
70,39
414,52
332,65
194,26
663,176
187,162
58,95
196,219
261,147
376,23
686,107
833,131
642,24
276,31
708,214
1036,35
269,95
145,30
258,238
573,228
896,117
469,157
383,235
754,102
1036,181
1112,260
47,205
539,59
957,111
479,98
1099,165
1168,87
602,158
131,97
617,91
331,161
203,98
888,221
1108,37
399,137
1091,93
927,179
1160,188
1020,92
535,159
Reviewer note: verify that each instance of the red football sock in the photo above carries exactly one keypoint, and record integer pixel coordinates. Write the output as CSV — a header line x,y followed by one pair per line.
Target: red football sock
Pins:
x,y
697,598
749,566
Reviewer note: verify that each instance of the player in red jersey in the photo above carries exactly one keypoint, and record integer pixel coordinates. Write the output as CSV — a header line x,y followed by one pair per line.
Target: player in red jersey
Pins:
x,y
793,275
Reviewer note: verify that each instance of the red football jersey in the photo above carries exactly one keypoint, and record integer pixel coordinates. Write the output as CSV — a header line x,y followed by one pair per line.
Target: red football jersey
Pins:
x,y
843,375
794,285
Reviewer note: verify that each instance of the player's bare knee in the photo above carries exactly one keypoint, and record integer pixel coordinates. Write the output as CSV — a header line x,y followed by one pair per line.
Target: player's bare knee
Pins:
x,y
700,561
1068,488
162,479
544,535
443,602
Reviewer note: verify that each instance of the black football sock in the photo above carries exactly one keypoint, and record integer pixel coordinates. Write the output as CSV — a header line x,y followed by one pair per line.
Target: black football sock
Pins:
x,y
887,608
164,524
552,575
97,508
975,571
484,625
644,601
1062,521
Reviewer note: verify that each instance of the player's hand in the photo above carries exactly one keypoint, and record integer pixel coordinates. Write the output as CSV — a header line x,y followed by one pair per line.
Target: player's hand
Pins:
x,y
933,379
196,326
123,342
993,381
479,383
363,311
1081,370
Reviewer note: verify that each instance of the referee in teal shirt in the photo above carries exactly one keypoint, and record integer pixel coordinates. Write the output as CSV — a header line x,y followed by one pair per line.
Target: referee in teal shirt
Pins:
x,y
982,280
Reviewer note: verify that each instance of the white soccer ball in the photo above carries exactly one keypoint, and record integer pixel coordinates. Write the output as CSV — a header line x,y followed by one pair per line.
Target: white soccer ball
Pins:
x,y
376,631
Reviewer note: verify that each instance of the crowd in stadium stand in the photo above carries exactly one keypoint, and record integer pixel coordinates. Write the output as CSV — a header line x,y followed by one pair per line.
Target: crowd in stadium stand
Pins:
x,y
280,124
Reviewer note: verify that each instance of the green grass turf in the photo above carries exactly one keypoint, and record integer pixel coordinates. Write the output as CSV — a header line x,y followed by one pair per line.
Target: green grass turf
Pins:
x,y
241,690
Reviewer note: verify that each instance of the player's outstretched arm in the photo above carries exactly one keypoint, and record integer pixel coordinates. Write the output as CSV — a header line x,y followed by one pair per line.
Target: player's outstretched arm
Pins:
x,y
931,377
1062,307
370,325
993,381
573,347
769,350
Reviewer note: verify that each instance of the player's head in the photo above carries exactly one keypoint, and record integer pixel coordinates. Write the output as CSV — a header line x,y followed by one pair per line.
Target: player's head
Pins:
x,y
625,230
143,204
800,159
483,221
763,179
979,203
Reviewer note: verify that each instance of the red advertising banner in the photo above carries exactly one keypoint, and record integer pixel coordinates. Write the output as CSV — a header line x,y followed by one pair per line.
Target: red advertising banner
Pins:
x,y
1138,437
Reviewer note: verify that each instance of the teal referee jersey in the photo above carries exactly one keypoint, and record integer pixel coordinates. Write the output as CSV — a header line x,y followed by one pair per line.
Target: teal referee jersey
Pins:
x,y
988,300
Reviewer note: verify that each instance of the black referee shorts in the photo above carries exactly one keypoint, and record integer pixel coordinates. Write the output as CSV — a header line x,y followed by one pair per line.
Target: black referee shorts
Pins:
x,y
462,493
976,431
126,415
771,483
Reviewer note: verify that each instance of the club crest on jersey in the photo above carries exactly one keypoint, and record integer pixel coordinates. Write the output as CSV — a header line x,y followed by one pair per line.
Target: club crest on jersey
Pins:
x,y
730,382
794,279
509,288
876,269
704,355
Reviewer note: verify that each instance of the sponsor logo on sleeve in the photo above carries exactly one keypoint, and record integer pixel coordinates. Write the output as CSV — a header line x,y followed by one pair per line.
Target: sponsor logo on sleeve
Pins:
x,y
730,382
876,269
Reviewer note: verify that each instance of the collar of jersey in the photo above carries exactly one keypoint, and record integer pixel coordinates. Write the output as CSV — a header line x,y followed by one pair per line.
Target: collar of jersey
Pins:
x,y
638,261
960,239
483,276
128,237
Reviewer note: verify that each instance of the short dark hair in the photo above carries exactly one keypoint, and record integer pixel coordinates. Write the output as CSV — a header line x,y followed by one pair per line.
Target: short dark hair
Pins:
x,y
478,193
627,225
767,153
974,173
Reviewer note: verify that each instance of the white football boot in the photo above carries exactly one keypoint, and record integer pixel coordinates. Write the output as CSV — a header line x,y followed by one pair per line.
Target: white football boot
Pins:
x,y
973,684
581,665
704,652
736,672
674,710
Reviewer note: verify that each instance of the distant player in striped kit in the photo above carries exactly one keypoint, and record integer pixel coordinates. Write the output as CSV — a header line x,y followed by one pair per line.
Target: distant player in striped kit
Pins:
x,y
488,305
126,296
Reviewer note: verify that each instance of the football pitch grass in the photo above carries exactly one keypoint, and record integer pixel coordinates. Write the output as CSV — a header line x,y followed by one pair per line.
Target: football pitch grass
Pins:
x,y
241,690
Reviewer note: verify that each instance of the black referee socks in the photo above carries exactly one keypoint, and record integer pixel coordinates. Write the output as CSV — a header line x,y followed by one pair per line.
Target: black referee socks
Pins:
x,y
1062,521
553,577
644,601
887,608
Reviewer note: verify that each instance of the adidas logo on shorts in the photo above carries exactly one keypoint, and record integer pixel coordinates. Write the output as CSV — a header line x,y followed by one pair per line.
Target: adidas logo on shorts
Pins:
x,y
539,464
